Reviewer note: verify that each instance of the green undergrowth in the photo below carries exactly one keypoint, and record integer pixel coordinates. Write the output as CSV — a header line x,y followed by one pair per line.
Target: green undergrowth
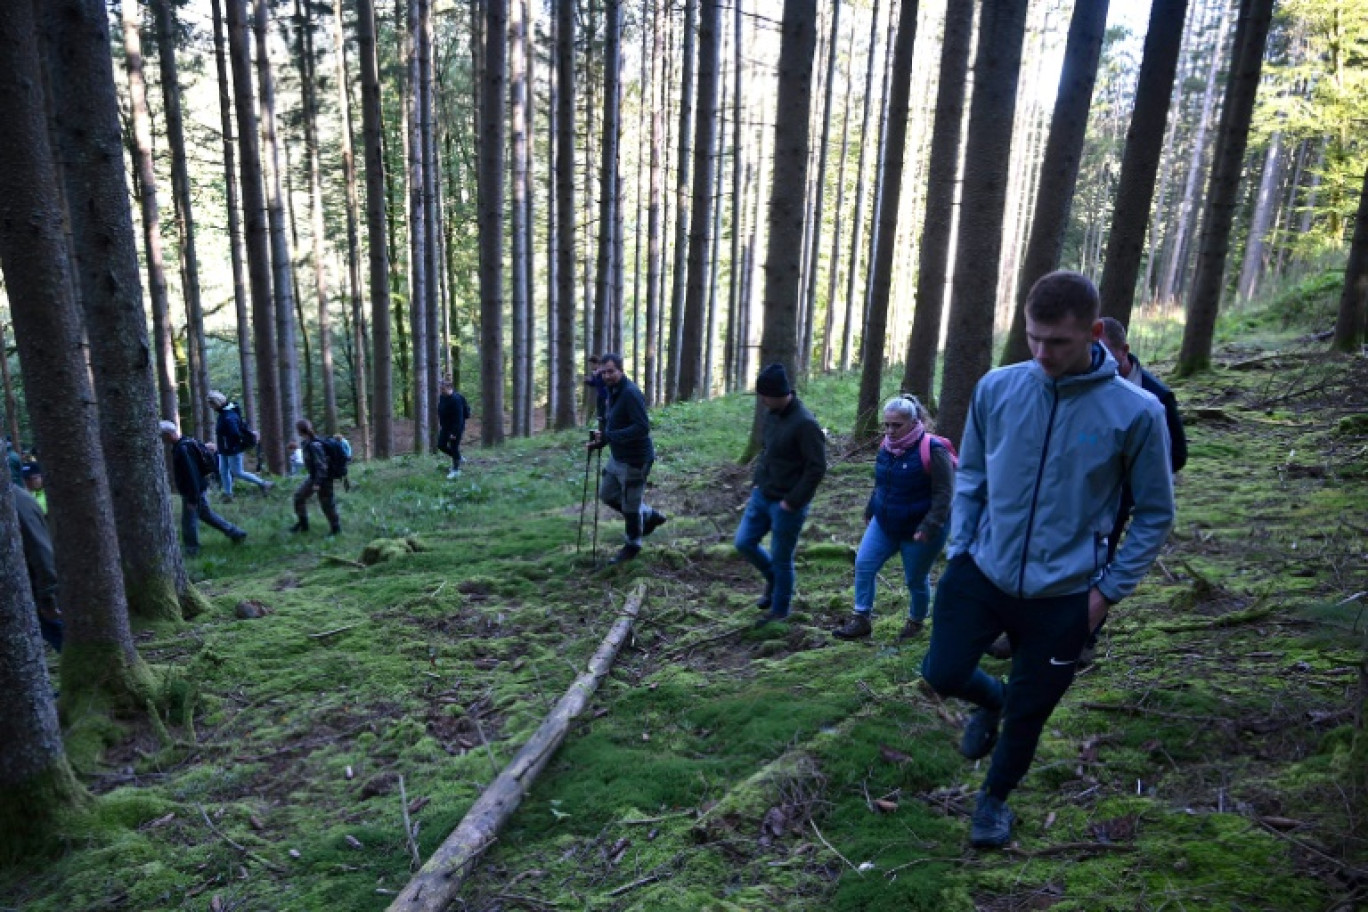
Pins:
x,y
1203,762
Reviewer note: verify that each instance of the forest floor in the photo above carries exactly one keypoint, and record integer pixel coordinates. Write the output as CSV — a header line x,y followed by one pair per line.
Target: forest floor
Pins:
x,y
1199,764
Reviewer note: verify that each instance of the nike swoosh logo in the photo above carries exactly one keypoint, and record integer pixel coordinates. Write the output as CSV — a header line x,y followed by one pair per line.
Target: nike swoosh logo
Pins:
x,y
1054,661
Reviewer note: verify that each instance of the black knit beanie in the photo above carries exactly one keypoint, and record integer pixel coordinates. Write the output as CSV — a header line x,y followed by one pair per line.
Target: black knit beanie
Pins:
x,y
773,381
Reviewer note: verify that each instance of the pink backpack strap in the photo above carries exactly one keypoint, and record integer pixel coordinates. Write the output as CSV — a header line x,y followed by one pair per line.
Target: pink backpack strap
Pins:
x,y
925,450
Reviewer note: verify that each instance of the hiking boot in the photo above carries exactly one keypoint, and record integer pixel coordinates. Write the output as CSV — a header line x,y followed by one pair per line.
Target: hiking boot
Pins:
x,y
1001,648
857,628
991,825
301,526
628,552
238,537
770,616
1089,654
764,601
980,734
653,522
911,630
334,530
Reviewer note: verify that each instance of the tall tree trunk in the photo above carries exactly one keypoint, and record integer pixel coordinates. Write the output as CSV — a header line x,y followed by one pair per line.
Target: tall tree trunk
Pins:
x,y
1140,160
521,267
1227,163
282,266
857,225
431,265
815,229
566,380
1059,171
11,404
867,412
372,127
529,366
1256,248
834,263
272,427
553,401
919,371
1187,209
691,383
682,219
654,276
877,211
784,253
100,667
602,335
417,226
85,105
307,361
969,345
730,378
151,217
1351,322
185,220
360,375
715,245
491,221
246,357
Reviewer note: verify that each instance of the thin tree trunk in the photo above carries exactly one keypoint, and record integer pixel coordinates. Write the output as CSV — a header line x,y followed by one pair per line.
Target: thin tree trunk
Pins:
x,y
834,263
11,403
602,335
691,383
682,219
417,225
522,324
553,391
1059,171
565,380
1256,248
784,254
654,277
372,126
530,223
877,211
644,88
857,225
730,378
978,245
815,240
491,221
1351,322
1140,160
919,371
431,265
295,295
360,375
1242,86
715,245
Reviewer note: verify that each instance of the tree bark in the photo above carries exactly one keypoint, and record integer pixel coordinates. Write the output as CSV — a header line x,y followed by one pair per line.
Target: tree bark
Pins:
x,y
1351,321
553,371
491,221
360,375
1256,248
978,245
377,229
784,250
566,380
1242,86
432,256
682,216
877,210
601,338
834,262
857,224
691,382
520,258
1059,171
417,226
1140,160
732,349
815,229
654,274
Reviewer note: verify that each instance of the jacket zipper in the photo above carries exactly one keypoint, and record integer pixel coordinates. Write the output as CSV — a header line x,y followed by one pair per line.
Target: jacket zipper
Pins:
x,y
1035,493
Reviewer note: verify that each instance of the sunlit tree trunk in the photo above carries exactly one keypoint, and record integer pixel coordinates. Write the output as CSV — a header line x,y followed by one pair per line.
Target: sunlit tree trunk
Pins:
x,y
372,126
691,383
877,210
834,262
857,223
566,367
553,391
491,221
1351,323
432,256
682,215
654,277
417,225
1256,247
520,258
815,229
360,375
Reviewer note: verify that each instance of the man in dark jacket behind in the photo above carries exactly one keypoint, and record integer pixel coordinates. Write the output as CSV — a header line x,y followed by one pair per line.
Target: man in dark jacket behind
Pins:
x,y
627,434
318,478
193,487
42,568
452,412
232,434
785,479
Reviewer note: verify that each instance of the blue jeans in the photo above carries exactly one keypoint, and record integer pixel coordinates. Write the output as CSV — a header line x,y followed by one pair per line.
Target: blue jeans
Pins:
x,y
762,517
1047,635
230,467
876,548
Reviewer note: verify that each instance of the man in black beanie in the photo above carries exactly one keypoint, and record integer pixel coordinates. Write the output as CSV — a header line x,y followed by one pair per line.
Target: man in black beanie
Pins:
x,y
785,479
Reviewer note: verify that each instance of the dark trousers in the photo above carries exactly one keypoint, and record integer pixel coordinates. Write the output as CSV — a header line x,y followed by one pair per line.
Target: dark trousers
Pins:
x,y
193,509
325,500
1047,635
449,442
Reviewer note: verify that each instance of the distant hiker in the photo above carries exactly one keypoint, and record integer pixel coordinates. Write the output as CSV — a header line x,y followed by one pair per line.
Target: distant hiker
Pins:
x,y
234,438
785,478
452,412
42,568
32,474
192,463
914,479
626,431
319,473
294,459
599,387
1047,446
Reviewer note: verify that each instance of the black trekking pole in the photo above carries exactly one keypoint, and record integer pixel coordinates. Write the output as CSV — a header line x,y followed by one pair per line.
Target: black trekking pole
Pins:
x,y
598,473
584,499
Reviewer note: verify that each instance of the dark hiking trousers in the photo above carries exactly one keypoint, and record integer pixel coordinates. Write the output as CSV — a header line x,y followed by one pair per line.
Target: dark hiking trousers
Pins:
x,y
325,500
194,509
1047,635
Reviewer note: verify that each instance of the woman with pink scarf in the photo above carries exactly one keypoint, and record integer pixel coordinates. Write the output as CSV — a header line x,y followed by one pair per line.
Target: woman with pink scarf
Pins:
x,y
908,512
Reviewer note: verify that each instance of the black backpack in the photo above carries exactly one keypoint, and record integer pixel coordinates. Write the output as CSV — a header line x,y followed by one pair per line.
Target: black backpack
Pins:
x,y
201,457
337,457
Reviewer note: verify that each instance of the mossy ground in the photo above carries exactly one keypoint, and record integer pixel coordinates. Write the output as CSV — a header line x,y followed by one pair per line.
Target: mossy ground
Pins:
x,y
1201,763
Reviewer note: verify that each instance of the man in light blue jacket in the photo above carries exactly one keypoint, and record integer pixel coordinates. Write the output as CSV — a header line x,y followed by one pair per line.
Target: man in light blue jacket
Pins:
x,y
1047,447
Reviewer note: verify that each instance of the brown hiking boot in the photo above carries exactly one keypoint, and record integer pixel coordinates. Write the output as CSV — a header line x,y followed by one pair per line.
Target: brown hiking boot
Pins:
x,y
911,630
857,628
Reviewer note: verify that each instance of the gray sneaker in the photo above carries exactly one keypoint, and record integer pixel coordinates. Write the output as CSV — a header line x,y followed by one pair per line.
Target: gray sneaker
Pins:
x,y
991,826
980,734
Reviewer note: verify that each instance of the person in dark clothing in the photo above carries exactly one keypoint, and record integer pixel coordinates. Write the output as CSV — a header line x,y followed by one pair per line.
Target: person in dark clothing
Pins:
x,y
232,434
786,476
15,464
193,486
627,434
42,568
452,412
316,478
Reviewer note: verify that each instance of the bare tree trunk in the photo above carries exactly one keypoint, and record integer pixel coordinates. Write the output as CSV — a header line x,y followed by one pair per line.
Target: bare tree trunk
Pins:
x,y
431,264
715,244
565,379
783,258
1242,86
1351,321
857,225
815,229
691,384
11,403
491,221
1140,160
553,401
372,125
360,375
969,345
867,412
185,221
1059,172
877,211
521,267
919,371
682,219
529,366
1256,248
731,349
834,263
417,225
654,277
602,335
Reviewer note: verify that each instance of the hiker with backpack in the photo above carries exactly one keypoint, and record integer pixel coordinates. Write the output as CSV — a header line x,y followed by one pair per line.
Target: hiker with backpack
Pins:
x,y
324,462
192,463
234,437
908,513
452,414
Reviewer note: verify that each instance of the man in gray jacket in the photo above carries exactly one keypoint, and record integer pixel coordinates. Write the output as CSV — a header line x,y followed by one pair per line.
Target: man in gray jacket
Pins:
x,y
1047,447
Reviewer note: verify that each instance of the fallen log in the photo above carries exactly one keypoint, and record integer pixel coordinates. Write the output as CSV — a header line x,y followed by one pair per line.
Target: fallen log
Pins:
x,y
434,886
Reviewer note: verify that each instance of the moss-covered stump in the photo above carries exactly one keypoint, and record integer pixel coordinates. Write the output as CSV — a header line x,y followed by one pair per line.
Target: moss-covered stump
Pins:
x,y
381,550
